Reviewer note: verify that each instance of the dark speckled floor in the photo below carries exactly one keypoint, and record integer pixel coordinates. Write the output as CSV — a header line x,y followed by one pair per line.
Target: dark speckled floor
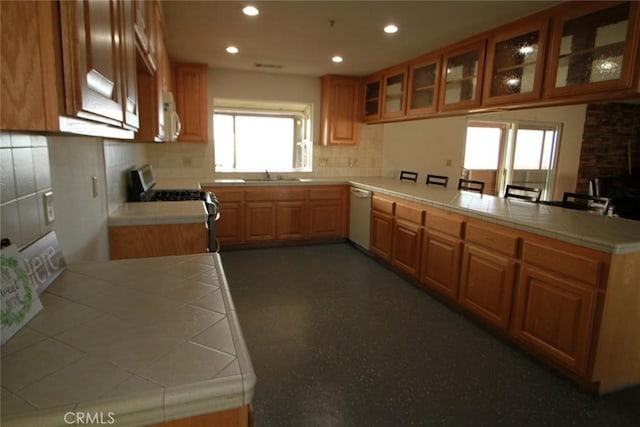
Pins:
x,y
338,340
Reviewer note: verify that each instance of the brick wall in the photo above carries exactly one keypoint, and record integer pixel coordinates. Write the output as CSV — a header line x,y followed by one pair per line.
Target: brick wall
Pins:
x,y
611,131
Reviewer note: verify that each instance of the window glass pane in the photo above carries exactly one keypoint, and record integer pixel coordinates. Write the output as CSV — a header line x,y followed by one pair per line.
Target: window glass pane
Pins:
x,y
223,138
528,149
264,143
482,149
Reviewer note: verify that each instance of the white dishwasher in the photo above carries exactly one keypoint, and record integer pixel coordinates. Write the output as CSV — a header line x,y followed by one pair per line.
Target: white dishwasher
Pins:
x,y
360,217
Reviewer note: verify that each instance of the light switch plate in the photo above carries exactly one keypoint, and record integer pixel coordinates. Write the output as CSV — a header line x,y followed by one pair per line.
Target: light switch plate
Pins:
x,y
49,213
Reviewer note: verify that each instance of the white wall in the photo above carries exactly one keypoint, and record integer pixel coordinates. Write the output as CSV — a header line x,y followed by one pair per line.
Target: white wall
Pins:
x,y
426,145
81,218
196,160
120,157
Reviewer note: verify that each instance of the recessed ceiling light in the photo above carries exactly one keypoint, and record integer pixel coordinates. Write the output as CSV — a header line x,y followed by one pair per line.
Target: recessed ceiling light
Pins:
x,y
390,29
250,11
232,50
337,59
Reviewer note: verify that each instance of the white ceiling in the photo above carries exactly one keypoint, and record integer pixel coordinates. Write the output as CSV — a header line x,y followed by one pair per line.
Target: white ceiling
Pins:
x,y
298,35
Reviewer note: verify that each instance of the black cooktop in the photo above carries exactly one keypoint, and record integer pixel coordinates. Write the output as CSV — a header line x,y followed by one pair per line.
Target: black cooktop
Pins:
x,y
176,195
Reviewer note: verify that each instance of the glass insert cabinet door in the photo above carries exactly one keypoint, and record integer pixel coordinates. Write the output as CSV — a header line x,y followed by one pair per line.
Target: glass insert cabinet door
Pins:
x,y
372,90
595,50
394,92
461,77
516,59
423,86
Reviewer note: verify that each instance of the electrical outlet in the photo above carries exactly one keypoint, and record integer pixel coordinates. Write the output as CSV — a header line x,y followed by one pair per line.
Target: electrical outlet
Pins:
x,y
49,213
186,161
449,162
323,161
353,162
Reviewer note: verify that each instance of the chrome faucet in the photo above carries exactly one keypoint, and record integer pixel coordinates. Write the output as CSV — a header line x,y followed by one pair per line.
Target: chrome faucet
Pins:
x,y
266,171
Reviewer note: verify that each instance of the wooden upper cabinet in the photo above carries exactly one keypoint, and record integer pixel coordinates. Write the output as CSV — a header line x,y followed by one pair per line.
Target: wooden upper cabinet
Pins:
x,y
31,73
593,48
461,79
372,98
515,62
145,30
394,92
91,46
129,86
190,86
424,75
339,110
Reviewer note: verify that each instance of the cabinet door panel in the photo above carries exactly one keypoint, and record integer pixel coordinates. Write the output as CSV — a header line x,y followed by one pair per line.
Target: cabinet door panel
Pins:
x,y
129,86
555,317
91,46
593,48
487,283
290,220
381,235
340,110
260,221
407,243
326,218
229,228
441,263
191,101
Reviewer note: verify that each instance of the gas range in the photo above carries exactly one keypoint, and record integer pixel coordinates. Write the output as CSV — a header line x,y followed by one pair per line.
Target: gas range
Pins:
x,y
141,188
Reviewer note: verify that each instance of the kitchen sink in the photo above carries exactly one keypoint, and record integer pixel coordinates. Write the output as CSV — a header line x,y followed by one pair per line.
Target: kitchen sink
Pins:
x,y
270,180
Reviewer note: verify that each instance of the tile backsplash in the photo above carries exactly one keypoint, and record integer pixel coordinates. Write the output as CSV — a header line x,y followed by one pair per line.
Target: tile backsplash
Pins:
x,y
25,178
120,158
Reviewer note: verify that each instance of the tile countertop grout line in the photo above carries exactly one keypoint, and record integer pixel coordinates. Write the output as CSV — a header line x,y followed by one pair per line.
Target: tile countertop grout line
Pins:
x,y
183,399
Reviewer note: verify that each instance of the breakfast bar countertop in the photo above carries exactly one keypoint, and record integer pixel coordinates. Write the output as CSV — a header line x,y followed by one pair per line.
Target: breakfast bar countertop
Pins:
x,y
607,234
137,341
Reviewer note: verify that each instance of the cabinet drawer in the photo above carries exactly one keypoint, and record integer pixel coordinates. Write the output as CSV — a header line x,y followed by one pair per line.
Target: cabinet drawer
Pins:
x,y
227,196
331,193
444,223
411,213
494,237
274,194
584,269
381,204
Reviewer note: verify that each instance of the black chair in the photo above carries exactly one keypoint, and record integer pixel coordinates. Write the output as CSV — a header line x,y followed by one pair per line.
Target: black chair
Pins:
x,y
586,202
521,192
437,180
471,185
409,176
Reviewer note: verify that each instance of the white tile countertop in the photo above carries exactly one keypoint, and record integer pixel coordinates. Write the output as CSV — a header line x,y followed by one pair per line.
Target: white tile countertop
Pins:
x,y
147,213
603,233
146,340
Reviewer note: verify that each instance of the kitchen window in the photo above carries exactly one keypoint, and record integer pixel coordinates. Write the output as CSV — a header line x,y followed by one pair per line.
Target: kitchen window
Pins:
x,y
520,153
259,136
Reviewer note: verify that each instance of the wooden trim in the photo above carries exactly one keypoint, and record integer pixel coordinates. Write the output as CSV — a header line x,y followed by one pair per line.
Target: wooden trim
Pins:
x,y
236,417
141,241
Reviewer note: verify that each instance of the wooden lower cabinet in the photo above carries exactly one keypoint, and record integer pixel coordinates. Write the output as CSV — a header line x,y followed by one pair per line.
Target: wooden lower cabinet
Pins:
x,y
554,316
291,220
407,245
230,226
440,263
277,214
486,285
381,235
326,218
260,221
142,241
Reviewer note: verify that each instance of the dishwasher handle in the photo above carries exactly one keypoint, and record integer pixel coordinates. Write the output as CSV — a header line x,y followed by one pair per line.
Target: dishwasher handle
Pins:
x,y
361,194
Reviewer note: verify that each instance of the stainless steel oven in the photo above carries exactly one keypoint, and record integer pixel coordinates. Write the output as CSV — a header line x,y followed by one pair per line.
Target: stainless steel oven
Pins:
x,y
141,188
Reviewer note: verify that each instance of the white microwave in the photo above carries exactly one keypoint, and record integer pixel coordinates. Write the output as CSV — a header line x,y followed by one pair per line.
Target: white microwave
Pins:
x,y
171,121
